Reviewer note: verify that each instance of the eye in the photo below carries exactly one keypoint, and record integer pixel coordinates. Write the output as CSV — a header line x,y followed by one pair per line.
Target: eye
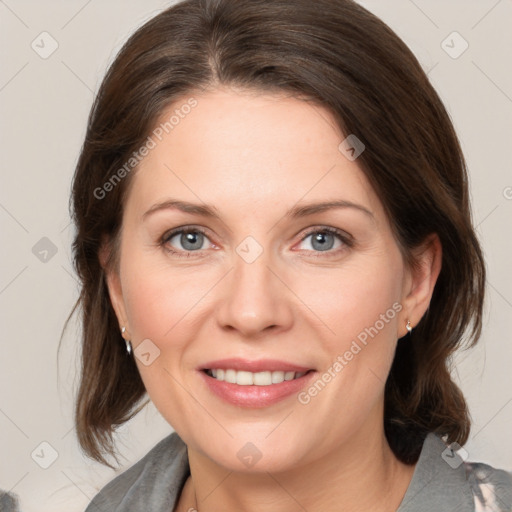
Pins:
x,y
186,240
325,240
183,240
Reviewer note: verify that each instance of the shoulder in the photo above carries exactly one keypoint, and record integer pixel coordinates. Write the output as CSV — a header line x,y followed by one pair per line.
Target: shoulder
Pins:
x,y
491,487
443,481
150,484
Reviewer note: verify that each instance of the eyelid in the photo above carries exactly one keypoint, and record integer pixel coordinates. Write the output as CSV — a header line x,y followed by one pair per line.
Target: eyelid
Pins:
x,y
329,229
182,229
164,240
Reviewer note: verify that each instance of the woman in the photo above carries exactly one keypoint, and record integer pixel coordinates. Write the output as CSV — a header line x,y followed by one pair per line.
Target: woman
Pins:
x,y
275,243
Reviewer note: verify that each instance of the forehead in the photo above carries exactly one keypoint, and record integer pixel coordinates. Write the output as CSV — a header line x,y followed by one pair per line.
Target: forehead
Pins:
x,y
247,151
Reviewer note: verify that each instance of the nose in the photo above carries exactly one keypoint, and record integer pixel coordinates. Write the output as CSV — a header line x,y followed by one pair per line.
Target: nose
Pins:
x,y
255,301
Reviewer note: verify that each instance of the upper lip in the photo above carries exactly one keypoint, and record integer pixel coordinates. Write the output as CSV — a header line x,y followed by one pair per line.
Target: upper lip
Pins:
x,y
261,365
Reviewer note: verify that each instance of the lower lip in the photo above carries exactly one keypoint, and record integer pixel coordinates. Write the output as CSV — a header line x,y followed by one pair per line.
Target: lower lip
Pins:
x,y
255,396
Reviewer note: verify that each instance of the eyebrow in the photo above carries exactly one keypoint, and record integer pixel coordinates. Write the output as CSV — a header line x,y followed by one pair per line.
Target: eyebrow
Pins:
x,y
205,210
310,209
184,206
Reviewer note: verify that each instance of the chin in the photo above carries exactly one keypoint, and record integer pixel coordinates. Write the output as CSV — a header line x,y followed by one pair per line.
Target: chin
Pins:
x,y
249,453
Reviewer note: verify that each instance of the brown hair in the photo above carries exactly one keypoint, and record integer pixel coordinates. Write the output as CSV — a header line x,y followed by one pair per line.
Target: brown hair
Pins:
x,y
336,54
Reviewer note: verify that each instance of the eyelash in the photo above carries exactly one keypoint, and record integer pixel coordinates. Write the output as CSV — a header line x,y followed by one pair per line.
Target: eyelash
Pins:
x,y
344,237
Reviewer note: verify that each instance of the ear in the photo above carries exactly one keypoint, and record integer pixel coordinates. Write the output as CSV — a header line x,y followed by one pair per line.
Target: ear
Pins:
x,y
420,281
113,280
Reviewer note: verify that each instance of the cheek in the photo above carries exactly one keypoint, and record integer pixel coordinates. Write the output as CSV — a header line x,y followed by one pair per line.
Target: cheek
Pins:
x,y
163,305
359,306
354,298
160,298
153,306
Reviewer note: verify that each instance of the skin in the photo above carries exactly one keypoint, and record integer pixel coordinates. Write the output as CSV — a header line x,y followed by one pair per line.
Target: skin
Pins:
x,y
253,156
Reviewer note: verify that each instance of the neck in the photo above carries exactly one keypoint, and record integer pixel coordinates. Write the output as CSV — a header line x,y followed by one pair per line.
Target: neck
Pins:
x,y
359,475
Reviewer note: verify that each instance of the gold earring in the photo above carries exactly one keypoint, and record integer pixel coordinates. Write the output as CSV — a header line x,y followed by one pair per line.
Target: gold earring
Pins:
x,y
408,326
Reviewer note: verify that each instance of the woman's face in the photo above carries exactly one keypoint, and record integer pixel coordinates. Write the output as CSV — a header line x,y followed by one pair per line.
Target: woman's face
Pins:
x,y
287,265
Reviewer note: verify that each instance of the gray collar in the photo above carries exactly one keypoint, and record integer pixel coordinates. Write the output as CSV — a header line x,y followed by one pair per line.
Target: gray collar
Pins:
x,y
439,482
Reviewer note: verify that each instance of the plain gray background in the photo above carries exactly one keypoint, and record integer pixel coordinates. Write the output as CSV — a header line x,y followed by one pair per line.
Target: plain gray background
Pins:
x,y
44,105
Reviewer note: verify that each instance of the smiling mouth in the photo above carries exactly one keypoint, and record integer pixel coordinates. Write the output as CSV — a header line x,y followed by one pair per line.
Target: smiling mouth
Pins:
x,y
245,378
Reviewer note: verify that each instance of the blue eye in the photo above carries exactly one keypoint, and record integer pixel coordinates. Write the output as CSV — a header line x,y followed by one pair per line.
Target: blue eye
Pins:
x,y
326,239
190,240
185,241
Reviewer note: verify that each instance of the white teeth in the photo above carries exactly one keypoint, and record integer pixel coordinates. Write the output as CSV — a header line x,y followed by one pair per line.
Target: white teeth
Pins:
x,y
244,378
230,376
262,378
277,377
